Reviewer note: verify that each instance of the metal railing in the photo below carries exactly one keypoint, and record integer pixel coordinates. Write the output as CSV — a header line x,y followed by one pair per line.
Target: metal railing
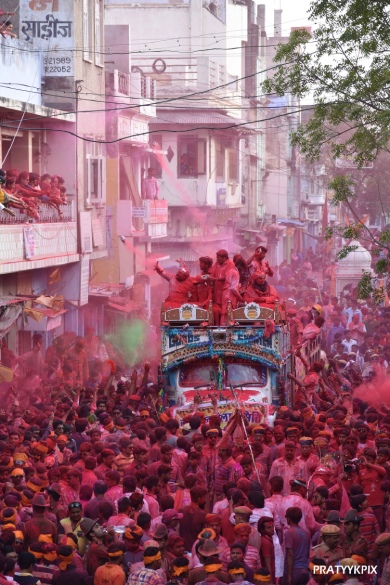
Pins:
x,y
47,214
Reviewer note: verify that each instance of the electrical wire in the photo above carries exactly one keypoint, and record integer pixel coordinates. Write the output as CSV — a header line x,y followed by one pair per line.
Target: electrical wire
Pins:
x,y
214,35
126,106
158,131
150,52
174,99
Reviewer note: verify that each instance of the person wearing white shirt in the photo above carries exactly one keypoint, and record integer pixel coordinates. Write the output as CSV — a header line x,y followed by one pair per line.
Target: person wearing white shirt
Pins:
x,y
352,310
348,342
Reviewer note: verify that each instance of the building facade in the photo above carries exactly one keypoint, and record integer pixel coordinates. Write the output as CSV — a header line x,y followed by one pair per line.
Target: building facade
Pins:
x,y
52,123
200,126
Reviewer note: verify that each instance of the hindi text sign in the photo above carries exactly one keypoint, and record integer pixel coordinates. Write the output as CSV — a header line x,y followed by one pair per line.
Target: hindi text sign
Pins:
x,y
48,25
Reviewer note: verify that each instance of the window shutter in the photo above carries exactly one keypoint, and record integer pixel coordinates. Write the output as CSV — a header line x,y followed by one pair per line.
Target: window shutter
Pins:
x,y
233,165
201,156
86,39
98,33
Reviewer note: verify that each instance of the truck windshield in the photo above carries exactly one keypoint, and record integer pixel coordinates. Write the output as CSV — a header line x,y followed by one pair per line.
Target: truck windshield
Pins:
x,y
191,376
246,374
196,375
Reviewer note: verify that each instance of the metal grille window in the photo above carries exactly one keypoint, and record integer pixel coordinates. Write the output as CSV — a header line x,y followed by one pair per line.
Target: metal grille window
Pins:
x,y
221,77
144,90
123,83
191,156
212,73
220,161
87,25
96,179
154,159
98,34
233,82
152,86
233,165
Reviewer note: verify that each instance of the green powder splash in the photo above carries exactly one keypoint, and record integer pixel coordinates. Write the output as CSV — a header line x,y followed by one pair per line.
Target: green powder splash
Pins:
x,y
136,341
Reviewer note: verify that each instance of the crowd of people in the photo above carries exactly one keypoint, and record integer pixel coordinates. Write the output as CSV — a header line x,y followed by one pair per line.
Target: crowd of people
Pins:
x,y
100,483
27,191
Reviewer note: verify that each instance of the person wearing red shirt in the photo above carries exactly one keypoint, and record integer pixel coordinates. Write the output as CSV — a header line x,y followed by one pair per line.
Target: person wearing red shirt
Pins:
x,y
194,517
265,526
181,287
370,477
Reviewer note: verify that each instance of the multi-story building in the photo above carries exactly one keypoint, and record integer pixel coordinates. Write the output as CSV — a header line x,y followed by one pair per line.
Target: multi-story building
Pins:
x,y
313,194
52,121
133,223
281,177
252,210
199,130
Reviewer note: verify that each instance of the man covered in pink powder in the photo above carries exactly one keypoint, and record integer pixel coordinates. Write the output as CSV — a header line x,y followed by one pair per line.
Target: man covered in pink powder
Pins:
x,y
259,291
226,281
257,262
181,287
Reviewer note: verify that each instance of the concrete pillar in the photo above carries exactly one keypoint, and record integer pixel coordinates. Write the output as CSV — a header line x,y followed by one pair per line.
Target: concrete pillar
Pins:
x,y
261,16
277,23
272,245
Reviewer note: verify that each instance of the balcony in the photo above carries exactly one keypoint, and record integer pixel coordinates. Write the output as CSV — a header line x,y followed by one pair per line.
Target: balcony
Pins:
x,y
140,88
177,76
27,243
150,220
314,199
47,214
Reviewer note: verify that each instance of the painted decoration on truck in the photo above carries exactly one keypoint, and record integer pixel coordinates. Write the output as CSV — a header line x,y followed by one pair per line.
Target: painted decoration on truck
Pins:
x,y
253,412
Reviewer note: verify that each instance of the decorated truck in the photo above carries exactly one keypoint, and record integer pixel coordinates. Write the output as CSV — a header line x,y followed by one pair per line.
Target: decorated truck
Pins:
x,y
245,363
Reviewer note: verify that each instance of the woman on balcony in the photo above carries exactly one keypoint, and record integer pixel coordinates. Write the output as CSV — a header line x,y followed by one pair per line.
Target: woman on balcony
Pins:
x,y
15,200
30,190
6,199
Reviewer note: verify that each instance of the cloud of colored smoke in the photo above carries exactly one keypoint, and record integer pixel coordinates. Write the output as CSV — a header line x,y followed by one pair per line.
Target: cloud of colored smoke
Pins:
x,y
136,340
376,392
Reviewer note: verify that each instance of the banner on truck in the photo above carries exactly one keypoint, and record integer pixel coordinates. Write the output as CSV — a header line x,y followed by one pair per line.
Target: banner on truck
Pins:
x,y
253,411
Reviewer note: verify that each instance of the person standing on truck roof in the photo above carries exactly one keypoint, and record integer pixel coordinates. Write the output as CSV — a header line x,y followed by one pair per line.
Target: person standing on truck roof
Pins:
x,y
244,272
181,287
259,291
203,285
226,281
257,262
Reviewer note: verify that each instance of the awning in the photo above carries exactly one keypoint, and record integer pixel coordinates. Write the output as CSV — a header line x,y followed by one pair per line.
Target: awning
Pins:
x,y
43,319
129,307
187,253
8,318
51,312
210,120
105,290
292,222
8,300
166,117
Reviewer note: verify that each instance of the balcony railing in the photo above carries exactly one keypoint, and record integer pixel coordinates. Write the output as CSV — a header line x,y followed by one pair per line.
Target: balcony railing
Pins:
x,y
140,88
151,218
176,75
47,214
